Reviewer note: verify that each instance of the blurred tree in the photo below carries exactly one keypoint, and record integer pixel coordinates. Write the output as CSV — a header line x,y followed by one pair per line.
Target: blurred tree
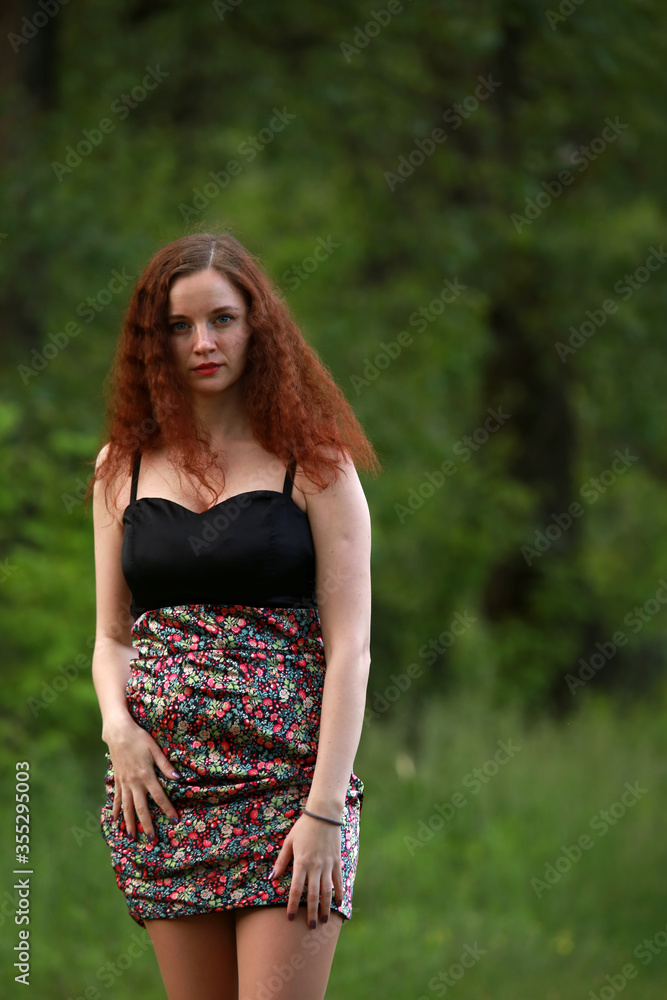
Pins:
x,y
478,209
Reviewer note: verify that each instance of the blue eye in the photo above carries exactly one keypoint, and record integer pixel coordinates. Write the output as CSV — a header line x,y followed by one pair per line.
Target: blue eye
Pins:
x,y
180,325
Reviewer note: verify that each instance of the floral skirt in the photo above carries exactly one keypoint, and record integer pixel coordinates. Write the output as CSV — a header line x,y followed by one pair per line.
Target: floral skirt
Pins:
x,y
232,696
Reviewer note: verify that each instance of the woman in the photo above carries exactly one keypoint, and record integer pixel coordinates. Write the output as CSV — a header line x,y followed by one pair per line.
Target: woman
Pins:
x,y
232,554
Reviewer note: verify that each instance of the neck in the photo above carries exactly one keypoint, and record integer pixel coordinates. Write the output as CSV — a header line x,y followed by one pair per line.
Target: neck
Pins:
x,y
222,415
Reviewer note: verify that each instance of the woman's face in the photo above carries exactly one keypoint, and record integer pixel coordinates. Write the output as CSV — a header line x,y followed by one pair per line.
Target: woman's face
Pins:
x,y
207,322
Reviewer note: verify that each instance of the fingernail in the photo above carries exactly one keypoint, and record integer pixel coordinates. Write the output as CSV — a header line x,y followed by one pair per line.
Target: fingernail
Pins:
x,y
291,916
272,873
324,918
173,819
175,774
313,925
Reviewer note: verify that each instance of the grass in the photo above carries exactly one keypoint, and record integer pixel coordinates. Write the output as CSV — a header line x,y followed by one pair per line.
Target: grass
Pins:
x,y
457,836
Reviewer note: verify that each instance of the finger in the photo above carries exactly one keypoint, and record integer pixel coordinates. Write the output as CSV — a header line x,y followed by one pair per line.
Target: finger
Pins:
x,y
164,764
313,898
284,854
163,801
326,891
115,813
128,814
144,814
296,890
338,884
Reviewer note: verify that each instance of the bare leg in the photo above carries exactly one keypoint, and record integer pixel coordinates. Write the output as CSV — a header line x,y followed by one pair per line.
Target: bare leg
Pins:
x,y
281,959
196,955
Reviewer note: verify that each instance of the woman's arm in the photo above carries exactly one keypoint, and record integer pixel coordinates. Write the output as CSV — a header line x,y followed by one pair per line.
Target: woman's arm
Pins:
x,y
113,643
340,525
133,751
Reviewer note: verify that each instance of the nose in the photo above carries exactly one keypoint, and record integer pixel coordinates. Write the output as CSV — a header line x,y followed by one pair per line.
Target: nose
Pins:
x,y
203,338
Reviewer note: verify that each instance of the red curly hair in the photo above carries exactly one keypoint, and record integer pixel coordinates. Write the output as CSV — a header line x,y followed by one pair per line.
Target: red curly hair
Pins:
x,y
292,402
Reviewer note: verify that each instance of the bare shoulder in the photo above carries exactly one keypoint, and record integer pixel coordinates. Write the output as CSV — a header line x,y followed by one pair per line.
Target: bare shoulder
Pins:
x,y
342,500
113,596
110,498
341,528
102,455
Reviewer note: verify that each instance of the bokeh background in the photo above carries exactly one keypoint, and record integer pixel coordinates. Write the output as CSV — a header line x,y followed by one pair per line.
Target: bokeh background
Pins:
x,y
464,205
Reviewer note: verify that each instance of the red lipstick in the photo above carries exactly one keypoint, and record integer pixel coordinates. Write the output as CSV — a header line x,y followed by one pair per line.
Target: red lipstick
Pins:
x,y
208,367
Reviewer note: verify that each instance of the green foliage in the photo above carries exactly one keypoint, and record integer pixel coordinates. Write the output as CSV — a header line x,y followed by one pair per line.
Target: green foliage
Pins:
x,y
466,278
429,882
422,365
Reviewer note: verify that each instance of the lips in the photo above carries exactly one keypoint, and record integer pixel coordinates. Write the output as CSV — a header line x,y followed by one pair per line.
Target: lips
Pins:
x,y
209,367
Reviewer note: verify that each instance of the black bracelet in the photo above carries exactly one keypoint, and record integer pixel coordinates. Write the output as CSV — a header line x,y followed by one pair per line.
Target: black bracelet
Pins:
x,y
325,818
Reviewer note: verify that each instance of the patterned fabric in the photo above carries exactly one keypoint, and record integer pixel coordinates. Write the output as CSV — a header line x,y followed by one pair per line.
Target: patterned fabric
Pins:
x,y
232,695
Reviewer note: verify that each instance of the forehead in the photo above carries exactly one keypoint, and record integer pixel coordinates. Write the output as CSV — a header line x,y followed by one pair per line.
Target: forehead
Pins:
x,y
204,289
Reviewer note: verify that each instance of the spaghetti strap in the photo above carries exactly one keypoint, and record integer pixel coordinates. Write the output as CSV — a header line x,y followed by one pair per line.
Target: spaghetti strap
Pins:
x,y
289,478
135,477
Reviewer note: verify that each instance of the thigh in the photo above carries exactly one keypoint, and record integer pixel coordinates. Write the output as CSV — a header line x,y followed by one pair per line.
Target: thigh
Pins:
x,y
283,959
196,955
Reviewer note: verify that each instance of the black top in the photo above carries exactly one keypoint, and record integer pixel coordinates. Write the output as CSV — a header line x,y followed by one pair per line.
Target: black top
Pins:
x,y
255,548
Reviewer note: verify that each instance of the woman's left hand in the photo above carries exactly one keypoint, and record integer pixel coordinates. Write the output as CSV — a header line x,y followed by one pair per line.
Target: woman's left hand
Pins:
x,y
316,849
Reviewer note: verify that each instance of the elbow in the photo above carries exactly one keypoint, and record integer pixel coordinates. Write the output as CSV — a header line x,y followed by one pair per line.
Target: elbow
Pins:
x,y
355,662
363,663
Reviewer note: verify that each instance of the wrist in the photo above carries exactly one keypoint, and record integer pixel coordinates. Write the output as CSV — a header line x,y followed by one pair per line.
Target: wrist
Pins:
x,y
331,808
321,819
116,725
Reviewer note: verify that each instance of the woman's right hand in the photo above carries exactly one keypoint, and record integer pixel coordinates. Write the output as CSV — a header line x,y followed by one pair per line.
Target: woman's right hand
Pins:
x,y
133,754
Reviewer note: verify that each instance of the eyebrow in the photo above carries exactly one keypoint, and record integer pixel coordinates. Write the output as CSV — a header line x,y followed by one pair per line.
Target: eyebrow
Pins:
x,y
217,309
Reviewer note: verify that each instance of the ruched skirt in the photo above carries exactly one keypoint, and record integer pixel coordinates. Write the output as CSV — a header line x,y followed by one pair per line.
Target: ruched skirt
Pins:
x,y
232,696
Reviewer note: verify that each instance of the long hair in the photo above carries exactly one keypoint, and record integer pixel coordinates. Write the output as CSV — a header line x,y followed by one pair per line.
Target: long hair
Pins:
x,y
291,400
